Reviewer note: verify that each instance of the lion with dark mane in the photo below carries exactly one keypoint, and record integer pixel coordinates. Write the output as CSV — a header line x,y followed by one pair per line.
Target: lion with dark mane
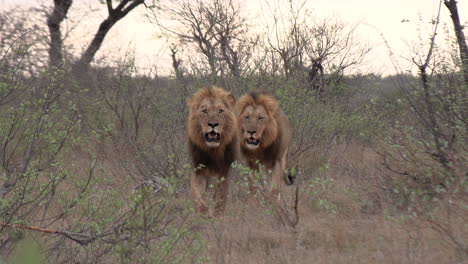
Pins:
x,y
264,133
212,143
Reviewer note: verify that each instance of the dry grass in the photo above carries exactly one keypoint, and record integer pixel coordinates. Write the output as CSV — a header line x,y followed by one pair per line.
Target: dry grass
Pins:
x,y
249,237
351,225
345,216
355,230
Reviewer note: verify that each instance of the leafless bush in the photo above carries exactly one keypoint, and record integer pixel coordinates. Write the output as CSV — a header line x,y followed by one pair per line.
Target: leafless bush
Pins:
x,y
36,127
217,30
426,151
320,51
23,39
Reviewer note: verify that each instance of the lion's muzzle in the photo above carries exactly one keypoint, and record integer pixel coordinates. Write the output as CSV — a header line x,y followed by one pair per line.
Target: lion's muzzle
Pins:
x,y
253,141
213,137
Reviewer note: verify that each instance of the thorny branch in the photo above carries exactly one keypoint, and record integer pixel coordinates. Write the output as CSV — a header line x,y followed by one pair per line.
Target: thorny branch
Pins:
x,y
80,238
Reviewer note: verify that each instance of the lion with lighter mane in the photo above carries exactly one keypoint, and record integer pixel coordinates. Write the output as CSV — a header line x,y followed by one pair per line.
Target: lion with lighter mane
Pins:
x,y
264,133
212,143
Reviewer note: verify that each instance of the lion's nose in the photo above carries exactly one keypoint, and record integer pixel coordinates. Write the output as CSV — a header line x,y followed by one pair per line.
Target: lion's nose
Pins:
x,y
213,125
251,132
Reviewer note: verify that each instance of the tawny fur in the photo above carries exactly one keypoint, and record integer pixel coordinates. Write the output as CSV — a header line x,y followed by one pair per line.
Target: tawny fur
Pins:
x,y
211,161
273,132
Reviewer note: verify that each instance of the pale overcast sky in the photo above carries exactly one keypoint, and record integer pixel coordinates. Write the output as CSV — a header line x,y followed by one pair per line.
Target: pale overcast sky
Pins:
x,y
135,33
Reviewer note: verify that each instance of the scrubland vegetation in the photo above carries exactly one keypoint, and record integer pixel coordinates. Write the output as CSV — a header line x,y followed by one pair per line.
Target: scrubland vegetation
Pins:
x,y
95,168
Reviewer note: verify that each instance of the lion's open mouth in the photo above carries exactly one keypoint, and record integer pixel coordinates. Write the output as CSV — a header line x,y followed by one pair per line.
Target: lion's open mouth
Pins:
x,y
212,137
253,141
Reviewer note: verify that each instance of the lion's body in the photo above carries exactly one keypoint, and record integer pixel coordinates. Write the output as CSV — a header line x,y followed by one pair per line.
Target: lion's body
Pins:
x,y
212,143
264,134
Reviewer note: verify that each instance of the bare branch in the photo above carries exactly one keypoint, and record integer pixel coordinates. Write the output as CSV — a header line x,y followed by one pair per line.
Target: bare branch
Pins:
x,y
113,17
82,239
109,6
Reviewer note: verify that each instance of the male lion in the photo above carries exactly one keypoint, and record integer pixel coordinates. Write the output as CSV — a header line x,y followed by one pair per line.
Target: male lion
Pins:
x,y
264,135
212,143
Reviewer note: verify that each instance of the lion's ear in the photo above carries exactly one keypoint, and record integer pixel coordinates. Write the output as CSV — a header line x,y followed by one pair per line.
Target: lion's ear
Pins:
x,y
231,99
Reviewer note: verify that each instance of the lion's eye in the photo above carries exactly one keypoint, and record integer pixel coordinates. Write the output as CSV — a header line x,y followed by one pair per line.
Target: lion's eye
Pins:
x,y
246,117
204,111
260,117
221,111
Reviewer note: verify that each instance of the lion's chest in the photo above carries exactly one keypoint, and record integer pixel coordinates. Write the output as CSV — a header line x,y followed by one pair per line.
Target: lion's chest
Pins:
x,y
213,160
266,157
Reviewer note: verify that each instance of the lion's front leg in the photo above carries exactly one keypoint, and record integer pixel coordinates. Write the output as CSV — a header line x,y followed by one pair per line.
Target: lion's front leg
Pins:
x,y
253,178
278,176
220,194
276,180
199,184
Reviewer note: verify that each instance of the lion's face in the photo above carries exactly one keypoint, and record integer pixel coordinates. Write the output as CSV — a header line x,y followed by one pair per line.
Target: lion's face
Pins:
x,y
255,122
211,118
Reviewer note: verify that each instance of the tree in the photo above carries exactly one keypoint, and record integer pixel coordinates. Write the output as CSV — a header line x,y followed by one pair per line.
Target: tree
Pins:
x,y
288,40
114,15
53,23
23,42
59,13
314,47
426,154
458,28
218,30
